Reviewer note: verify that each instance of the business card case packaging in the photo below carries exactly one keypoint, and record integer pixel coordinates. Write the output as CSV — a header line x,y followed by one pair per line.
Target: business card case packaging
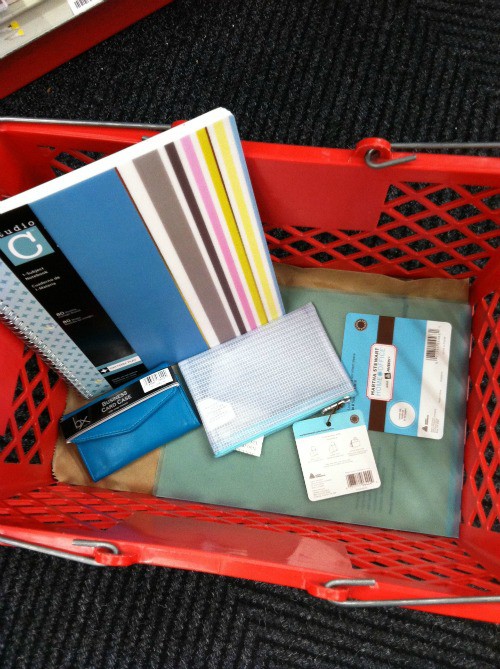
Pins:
x,y
124,435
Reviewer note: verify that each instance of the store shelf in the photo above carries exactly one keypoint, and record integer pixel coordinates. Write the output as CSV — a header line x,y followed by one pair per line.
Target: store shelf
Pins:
x,y
53,34
35,18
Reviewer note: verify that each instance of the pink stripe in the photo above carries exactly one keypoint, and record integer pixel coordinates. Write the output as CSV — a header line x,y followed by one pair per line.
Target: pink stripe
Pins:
x,y
187,144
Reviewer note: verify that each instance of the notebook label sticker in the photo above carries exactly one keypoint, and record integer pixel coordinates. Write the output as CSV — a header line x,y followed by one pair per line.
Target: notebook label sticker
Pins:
x,y
380,381
335,455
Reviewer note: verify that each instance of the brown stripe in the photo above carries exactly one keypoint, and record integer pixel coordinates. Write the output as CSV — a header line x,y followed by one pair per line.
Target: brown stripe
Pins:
x,y
378,409
376,420
385,333
164,198
204,233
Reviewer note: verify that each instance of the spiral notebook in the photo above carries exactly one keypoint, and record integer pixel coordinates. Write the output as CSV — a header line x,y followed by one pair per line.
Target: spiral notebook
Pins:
x,y
147,256
23,314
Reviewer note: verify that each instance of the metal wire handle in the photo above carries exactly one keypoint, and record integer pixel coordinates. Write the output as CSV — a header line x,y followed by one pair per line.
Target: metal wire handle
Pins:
x,y
54,552
334,583
372,154
91,124
405,146
430,601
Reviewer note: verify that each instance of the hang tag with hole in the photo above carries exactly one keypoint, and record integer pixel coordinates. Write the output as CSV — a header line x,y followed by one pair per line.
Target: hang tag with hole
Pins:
x,y
336,455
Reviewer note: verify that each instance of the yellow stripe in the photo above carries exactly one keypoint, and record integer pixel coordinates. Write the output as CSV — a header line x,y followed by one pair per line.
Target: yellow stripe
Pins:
x,y
231,223
246,219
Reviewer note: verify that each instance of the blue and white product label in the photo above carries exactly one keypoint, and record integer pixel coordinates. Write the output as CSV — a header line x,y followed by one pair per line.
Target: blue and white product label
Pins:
x,y
399,367
335,455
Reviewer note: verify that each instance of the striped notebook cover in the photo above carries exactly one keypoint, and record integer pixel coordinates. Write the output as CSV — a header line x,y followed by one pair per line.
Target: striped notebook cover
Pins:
x,y
165,234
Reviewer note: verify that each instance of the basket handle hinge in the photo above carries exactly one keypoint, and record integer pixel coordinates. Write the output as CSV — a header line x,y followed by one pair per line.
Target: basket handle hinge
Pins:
x,y
106,553
430,601
377,153
372,154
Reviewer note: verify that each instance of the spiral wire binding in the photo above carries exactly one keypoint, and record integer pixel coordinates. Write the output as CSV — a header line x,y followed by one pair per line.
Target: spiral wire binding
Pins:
x,y
18,326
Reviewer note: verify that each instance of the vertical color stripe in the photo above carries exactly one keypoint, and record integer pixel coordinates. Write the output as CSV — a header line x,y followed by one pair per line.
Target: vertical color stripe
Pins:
x,y
194,237
245,218
230,124
161,191
231,224
166,249
204,234
225,232
378,408
196,169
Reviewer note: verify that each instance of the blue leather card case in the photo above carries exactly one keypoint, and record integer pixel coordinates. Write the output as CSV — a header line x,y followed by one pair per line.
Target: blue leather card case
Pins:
x,y
128,422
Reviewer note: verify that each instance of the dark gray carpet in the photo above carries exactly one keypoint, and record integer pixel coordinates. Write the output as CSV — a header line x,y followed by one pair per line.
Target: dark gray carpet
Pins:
x,y
293,71
310,72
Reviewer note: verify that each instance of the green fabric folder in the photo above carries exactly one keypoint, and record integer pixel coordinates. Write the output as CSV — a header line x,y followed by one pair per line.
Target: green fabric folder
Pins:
x,y
421,478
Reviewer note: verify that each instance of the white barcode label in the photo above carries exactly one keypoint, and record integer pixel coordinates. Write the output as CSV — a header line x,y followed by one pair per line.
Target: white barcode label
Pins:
x,y
80,6
336,459
432,405
360,478
432,344
156,380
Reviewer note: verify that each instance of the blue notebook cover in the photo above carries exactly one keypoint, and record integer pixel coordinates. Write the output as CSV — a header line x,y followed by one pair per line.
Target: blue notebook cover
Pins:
x,y
99,230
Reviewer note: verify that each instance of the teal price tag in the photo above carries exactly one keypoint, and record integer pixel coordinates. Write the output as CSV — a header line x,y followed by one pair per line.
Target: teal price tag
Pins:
x,y
335,455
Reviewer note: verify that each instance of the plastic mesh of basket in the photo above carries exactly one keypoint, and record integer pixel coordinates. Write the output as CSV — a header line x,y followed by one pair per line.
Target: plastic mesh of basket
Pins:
x,y
423,230
33,412
405,556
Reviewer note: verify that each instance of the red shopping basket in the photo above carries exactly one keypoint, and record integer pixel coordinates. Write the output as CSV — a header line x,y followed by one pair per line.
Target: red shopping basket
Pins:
x,y
367,209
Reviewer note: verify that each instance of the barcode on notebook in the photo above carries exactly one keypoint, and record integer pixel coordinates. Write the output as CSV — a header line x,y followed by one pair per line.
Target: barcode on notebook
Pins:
x,y
79,6
156,380
431,344
359,478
